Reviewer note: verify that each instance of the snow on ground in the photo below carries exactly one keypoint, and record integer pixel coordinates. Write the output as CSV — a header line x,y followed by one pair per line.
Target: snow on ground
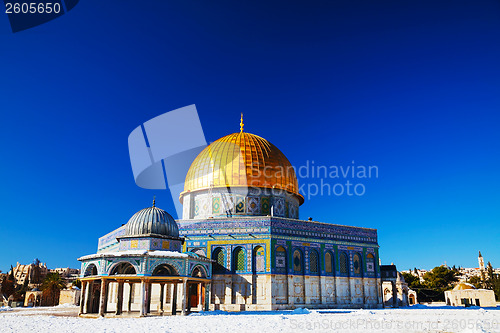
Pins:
x,y
418,318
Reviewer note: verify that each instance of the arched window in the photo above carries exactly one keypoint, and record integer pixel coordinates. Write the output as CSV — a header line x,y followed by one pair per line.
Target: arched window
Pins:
x,y
91,270
259,259
281,262
313,262
198,271
165,270
123,268
329,267
357,264
220,260
200,252
343,263
239,259
297,261
370,262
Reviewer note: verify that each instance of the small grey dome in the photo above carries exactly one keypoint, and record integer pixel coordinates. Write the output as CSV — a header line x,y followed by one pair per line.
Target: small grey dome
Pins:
x,y
152,221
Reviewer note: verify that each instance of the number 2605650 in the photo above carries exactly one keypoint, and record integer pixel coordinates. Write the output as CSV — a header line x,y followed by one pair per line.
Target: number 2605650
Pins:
x,y
32,8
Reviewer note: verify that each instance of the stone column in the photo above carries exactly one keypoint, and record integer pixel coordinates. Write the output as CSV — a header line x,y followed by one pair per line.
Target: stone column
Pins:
x,y
119,298
82,297
162,287
174,300
201,295
88,302
148,297
228,285
208,296
143,298
103,301
130,298
184,296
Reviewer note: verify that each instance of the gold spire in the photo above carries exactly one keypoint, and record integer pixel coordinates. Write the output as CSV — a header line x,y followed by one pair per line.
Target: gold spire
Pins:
x,y
154,201
241,123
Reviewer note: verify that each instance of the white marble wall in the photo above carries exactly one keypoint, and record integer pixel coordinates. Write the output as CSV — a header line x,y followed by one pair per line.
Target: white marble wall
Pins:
x,y
267,291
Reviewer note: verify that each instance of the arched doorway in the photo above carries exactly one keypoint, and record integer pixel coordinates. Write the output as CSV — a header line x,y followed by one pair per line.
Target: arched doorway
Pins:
x,y
31,300
196,291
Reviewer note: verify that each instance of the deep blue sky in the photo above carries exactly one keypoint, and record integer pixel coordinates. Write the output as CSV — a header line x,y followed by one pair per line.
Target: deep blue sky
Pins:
x,y
410,86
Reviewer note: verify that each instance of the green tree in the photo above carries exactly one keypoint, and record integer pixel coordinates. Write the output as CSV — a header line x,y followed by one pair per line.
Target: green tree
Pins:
x,y
52,286
8,286
436,281
36,272
11,274
77,283
440,278
492,280
412,280
476,281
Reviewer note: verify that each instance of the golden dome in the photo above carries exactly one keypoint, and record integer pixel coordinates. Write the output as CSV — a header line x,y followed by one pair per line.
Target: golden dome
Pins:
x,y
241,160
464,286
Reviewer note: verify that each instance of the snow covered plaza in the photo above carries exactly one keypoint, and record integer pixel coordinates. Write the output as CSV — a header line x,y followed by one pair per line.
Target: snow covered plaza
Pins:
x,y
411,319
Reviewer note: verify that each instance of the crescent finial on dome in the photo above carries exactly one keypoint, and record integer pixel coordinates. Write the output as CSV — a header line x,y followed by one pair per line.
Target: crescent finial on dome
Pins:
x,y
154,201
241,123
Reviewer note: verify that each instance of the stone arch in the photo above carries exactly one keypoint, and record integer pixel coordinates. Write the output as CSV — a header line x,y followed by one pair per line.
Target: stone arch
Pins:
x,y
329,263
179,267
239,259
165,269
122,268
219,256
259,259
199,271
90,270
31,299
314,263
343,264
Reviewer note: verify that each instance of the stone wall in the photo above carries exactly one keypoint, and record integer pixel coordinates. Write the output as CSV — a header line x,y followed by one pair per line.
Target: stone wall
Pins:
x,y
233,292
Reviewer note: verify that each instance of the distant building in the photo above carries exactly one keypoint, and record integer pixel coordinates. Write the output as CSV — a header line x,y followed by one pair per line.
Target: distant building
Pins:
x,y
27,272
395,289
465,294
23,273
464,273
33,297
68,274
481,261
70,296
